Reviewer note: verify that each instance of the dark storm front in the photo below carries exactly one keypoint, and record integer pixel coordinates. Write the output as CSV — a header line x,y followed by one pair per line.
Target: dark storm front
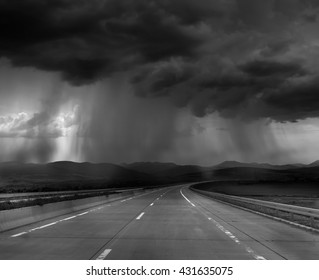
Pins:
x,y
191,82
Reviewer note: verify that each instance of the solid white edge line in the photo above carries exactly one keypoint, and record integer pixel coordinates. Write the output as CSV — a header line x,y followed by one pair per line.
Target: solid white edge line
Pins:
x,y
104,254
140,216
187,199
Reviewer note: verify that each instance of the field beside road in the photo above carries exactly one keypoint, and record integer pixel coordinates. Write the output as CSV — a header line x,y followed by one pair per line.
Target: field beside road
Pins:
x,y
304,194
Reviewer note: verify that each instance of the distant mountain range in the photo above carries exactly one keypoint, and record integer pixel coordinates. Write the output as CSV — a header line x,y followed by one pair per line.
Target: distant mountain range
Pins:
x,y
14,173
314,164
143,173
163,169
232,164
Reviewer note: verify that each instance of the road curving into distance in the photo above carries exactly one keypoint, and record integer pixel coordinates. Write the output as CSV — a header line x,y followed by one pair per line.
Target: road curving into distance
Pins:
x,y
169,223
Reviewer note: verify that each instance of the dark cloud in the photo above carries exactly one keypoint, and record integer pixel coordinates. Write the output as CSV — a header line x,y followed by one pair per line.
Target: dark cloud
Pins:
x,y
294,101
276,48
235,57
191,12
246,91
310,18
260,89
266,68
89,40
158,79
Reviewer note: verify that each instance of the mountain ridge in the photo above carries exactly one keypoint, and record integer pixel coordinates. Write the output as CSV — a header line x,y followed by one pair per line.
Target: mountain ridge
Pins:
x,y
151,172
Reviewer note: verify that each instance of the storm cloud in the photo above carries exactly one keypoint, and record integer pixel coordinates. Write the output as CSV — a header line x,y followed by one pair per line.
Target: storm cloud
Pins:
x,y
115,80
232,57
89,40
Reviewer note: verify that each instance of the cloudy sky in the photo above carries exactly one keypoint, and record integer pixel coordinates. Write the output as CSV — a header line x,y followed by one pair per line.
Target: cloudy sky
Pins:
x,y
192,82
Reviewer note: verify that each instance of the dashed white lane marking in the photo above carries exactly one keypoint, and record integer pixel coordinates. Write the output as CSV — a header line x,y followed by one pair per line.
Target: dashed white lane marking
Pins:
x,y
48,225
33,229
84,213
140,216
104,254
187,199
72,217
19,234
235,239
228,233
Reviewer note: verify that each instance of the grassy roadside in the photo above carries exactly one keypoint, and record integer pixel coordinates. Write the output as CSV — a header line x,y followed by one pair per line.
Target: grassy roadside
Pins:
x,y
305,194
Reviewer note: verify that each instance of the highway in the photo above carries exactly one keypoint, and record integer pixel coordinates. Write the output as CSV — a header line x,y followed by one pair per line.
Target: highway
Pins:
x,y
170,223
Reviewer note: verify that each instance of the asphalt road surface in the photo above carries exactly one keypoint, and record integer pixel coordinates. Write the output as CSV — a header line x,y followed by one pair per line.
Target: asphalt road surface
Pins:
x,y
171,223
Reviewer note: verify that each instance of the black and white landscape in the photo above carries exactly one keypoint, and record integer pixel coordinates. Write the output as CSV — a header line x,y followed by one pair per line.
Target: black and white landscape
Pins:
x,y
159,129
